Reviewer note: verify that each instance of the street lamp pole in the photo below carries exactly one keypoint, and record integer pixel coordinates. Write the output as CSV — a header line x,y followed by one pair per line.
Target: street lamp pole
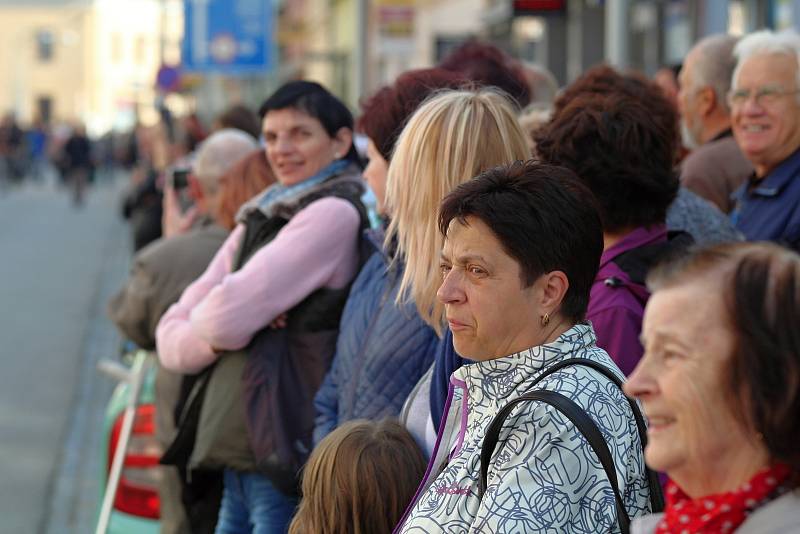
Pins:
x,y
360,70
617,29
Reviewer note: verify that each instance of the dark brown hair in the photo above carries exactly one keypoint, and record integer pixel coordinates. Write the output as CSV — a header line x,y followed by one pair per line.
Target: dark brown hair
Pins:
x,y
385,113
544,218
761,287
619,135
241,118
359,480
488,66
242,182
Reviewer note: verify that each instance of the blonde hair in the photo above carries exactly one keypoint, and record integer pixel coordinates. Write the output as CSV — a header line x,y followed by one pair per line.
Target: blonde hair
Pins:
x,y
359,480
452,137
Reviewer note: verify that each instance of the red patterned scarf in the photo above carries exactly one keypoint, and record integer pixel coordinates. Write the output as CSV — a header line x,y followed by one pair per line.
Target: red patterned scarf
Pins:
x,y
722,513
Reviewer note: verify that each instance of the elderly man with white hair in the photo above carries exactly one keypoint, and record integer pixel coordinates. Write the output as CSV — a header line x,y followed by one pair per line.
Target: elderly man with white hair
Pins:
x,y
159,274
716,167
765,106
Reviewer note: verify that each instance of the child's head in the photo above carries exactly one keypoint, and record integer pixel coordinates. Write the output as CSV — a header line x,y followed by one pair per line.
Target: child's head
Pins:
x,y
359,480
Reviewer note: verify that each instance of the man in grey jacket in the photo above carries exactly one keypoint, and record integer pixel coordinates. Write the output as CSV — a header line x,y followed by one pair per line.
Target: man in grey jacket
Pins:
x,y
159,274
716,166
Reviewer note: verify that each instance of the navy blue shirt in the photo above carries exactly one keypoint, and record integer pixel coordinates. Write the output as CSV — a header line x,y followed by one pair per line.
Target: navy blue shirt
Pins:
x,y
769,209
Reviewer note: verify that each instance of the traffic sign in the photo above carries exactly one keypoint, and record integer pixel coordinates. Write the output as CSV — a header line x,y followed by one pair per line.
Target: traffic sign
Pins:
x,y
227,36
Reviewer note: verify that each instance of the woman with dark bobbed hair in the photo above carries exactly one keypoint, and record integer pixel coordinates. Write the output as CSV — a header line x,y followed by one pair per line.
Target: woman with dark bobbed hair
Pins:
x,y
291,258
521,247
720,385
623,149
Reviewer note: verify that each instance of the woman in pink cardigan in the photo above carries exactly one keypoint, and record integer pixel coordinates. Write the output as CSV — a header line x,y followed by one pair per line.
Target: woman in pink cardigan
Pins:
x,y
290,260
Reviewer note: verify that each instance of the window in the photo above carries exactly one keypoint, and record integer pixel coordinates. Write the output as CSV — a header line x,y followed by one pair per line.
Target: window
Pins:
x,y
45,44
116,48
44,108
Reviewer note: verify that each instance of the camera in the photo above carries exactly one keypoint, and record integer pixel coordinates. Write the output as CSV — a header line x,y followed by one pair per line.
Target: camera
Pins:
x,y
179,178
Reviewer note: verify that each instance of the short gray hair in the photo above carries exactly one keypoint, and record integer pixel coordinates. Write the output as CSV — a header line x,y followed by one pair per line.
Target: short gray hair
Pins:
x,y
714,65
786,42
218,153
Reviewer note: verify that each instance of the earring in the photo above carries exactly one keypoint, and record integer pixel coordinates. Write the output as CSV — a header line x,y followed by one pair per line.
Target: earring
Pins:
x,y
545,319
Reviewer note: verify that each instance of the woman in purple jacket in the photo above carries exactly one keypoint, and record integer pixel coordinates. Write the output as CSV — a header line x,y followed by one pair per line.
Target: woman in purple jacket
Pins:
x,y
623,148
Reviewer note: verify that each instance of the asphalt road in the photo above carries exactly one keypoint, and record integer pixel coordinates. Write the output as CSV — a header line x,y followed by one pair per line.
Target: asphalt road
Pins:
x,y
59,266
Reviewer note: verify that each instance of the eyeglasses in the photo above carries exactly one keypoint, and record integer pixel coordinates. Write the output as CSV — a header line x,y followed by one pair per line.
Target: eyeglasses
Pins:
x,y
764,96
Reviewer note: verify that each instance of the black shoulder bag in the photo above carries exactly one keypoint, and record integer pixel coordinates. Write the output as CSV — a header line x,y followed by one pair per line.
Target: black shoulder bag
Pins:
x,y
585,426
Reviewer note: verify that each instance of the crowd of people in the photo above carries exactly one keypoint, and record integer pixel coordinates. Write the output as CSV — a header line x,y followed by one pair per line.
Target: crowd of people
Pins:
x,y
576,313
60,153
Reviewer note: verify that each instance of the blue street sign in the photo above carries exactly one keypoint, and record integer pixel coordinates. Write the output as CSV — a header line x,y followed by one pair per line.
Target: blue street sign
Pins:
x,y
227,36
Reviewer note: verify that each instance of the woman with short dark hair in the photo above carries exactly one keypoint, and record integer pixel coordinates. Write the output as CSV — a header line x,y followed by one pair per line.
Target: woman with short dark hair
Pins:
x,y
521,248
720,384
291,258
622,147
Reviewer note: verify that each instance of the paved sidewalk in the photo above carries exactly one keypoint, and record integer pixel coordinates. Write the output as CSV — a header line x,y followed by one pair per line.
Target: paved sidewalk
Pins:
x,y
60,266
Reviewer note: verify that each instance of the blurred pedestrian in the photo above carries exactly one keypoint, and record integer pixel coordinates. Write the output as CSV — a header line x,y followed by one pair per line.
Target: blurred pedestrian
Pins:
x,y
719,384
766,123
240,117
290,259
359,480
487,66
384,347
12,145
78,163
716,167
666,78
159,274
37,139
542,85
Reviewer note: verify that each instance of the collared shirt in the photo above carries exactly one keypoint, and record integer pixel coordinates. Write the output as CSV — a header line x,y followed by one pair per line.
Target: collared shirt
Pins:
x,y
769,209
716,169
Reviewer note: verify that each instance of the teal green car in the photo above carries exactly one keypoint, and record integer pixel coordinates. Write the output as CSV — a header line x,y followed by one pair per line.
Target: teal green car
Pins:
x,y
135,508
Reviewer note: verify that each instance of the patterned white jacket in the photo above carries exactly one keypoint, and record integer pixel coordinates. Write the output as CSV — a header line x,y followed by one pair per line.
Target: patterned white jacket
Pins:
x,y
544,476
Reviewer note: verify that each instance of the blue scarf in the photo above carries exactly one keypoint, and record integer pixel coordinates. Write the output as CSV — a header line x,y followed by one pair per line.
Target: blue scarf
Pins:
x,y
278,192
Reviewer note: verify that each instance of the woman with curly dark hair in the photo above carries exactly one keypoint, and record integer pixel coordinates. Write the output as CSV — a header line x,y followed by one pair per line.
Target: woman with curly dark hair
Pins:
x,y
688,212
622,148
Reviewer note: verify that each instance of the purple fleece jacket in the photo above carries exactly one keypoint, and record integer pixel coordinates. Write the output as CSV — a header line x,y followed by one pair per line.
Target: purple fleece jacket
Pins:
x,y
616,304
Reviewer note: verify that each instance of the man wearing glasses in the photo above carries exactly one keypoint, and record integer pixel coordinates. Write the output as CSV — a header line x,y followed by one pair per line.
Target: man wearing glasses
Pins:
x,y
765,111
716,167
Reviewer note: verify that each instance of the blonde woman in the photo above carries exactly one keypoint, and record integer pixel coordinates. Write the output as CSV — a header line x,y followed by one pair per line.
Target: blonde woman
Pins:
x,y
451,138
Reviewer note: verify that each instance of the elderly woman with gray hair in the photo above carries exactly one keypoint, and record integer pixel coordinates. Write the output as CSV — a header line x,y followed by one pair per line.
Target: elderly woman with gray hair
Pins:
x,y
719,382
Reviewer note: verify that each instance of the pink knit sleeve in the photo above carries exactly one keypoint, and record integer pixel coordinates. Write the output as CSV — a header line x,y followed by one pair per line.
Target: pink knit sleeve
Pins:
x,y
179,347
317,248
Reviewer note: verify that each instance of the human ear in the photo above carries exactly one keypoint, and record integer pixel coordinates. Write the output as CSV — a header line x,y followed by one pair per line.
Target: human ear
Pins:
x,y
554,288
708,101
195,189
343,140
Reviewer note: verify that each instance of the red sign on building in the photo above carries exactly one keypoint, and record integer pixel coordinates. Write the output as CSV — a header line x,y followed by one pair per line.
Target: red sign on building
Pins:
x,y
538,7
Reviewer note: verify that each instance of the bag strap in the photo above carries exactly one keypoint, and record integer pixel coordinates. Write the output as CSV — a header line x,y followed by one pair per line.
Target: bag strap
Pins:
x,y
582,422
585,426
656,492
